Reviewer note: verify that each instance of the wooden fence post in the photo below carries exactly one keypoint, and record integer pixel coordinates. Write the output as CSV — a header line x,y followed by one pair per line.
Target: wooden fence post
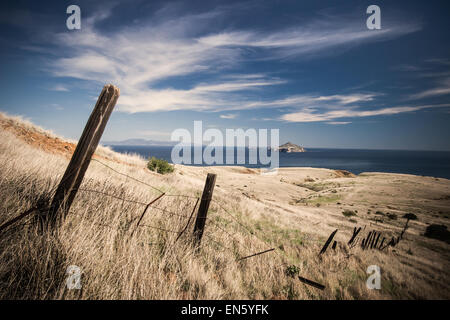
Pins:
x,y
203,208
324,248
73,176
376,241
355,233
366,243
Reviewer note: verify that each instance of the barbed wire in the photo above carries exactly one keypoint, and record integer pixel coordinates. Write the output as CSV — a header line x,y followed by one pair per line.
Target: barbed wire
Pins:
x,y
233,217
126,175
169,212
159,228
230,235
142,182
214,223
135,201
112,196
217,242
240,223
180,195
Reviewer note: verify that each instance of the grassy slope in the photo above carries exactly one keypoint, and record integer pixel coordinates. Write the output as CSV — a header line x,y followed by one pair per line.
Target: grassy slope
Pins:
x,y
96,235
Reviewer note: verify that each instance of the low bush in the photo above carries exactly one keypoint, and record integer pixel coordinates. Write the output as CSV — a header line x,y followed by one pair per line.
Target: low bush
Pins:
x,y
439,232
159,165
348,213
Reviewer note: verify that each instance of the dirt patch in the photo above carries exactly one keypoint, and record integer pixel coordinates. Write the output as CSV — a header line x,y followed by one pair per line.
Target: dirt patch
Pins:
x,y
245,170
344,174
44,140
40,140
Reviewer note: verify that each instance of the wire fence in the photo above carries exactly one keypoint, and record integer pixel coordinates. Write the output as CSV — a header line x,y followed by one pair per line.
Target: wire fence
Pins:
x,y
217,218
221,219
213,222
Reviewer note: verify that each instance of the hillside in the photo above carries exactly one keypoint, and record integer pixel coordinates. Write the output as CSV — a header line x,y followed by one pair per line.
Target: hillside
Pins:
x,y
294,212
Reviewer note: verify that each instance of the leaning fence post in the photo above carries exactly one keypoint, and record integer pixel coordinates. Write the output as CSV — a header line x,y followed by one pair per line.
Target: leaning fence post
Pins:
x,y
324,248
381,244
73,176
203,208
355,233
366,243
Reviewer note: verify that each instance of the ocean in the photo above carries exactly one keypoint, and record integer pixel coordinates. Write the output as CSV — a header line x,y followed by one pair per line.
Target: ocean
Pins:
x,y
424,163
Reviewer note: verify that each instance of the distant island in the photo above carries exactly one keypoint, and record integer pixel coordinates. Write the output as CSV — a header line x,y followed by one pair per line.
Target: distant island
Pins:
x,y
290,147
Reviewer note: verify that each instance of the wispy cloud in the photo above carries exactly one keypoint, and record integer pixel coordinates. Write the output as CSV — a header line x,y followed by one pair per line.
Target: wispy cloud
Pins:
x,y
307,39
442,88
307,101
338,122
139,58
408,67
314,115
59,87
228,116
441,61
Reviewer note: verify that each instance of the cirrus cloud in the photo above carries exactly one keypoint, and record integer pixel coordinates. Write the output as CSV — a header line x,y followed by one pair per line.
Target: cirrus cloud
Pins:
x,y
140,59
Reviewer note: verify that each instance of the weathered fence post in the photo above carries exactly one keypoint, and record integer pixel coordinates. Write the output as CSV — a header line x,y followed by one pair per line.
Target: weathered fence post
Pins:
x,y
381,244
372,241
334,245
376,241
203,208
324,248
73,176
355,233
366,243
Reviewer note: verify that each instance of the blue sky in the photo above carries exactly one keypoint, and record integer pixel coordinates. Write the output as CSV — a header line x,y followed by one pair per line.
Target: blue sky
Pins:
x,y
310,68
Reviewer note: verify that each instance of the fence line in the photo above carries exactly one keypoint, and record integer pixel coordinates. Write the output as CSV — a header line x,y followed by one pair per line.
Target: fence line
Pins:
x,y
214,223
233,217
231,236
112,196
144,183
137,202
123,174
106,225
189,220
145,210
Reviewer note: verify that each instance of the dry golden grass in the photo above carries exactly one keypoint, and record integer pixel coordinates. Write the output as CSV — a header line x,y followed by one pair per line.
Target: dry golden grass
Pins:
x,y
148,264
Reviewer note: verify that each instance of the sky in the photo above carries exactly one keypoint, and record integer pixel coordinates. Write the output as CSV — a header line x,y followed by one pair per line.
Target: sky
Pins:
x,y
311,69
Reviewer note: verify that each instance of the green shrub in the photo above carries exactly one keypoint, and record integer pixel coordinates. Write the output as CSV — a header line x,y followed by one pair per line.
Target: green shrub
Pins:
x,y
292,271
159,165
392,216
348,213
